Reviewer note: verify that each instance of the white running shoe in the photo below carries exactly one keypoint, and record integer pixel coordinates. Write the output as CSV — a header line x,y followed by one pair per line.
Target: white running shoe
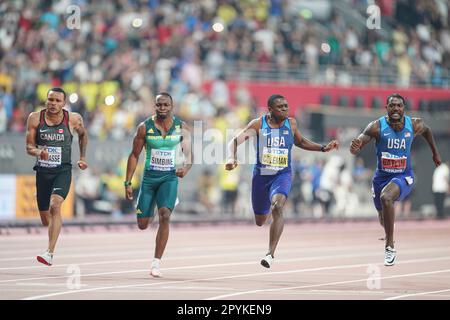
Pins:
x,y
156,273
45,258
155,269
267,261
389,256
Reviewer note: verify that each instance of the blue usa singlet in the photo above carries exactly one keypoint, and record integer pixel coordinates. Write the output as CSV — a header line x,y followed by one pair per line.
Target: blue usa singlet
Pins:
x,y
273,148
394,148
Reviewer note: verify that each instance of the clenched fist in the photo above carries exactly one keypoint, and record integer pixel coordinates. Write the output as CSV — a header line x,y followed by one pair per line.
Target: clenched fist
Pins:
x,y
333,144
231,164
355,146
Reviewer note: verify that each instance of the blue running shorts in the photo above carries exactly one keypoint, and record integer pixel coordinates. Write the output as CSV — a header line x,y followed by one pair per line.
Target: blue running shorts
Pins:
x,y
264,187
404,180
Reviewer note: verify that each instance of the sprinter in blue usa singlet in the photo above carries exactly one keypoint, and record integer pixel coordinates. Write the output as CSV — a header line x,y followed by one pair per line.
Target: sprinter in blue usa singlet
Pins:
x,y
394,178
393,160
275,135
272,172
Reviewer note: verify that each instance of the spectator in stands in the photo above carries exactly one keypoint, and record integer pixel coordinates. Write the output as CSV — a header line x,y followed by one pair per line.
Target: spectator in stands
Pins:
x,y
206,191
3,118
175,47
440,188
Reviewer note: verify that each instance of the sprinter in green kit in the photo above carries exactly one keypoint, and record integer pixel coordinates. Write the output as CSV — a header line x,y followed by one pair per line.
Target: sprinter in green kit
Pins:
x,y
160,134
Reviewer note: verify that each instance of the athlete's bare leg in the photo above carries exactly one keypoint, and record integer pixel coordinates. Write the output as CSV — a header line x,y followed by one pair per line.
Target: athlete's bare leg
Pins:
x,y
388,196
144,222
163,231
260,219
55,223
277,226
380,218
45,217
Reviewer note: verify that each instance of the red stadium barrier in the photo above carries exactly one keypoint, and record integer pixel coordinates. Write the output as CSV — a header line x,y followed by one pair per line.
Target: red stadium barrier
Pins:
x,y
301,95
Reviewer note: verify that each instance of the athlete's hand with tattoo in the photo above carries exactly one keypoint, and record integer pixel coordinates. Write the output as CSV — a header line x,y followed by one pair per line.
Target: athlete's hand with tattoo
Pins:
x,y
355,147
82,164
333,144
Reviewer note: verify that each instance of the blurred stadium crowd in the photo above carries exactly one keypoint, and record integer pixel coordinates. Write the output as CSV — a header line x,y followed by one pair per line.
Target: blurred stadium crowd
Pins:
x,y
134,48
131,49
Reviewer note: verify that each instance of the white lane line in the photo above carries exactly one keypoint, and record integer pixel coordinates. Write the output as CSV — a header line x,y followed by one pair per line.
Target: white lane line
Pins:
x,y
326,284
283,251
262,273
126,252
45,284
416,294
106,247
314,258
245,253
185,249
231,264
189,250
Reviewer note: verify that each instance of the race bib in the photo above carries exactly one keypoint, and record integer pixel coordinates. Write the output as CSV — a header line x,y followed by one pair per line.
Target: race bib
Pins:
x,y
162,160
54,157
275,157
392,163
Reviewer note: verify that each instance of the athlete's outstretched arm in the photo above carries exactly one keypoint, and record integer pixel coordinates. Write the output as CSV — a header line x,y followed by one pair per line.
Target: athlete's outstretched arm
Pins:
x,y
420,128
371,131
32,150
186,147
251,130
78,126
301,142
138,144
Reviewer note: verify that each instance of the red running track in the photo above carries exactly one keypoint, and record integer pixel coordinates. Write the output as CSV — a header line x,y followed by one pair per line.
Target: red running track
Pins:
x,y
313,261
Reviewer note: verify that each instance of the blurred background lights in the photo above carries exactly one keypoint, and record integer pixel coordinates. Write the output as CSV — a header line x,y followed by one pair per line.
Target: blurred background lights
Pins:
x,y
306,13
218,27
325,47
109,100
73,98
137,23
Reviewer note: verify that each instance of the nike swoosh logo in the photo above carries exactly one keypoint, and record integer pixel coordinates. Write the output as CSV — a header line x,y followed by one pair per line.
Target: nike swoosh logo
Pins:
x,y
54,189
45,130
386,134
266,133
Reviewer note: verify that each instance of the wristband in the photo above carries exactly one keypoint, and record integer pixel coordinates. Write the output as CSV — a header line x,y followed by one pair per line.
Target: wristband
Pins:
x,y
127,183
323,148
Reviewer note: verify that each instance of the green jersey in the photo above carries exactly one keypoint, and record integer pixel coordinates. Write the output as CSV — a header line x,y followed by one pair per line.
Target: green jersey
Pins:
x,y
161,151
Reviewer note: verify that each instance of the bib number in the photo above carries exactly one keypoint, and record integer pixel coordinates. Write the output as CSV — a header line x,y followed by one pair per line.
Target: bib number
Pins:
x,y
162,160
275,157
390,163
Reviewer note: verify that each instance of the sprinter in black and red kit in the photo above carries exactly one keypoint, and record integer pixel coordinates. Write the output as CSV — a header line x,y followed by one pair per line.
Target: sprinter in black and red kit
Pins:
x,y
49,139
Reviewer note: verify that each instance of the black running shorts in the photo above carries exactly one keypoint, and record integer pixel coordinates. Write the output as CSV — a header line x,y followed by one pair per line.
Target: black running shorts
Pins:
x,y
51,183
